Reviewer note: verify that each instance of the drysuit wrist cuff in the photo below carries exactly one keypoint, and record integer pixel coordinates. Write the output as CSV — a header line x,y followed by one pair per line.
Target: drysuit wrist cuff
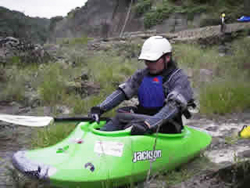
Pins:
x,y
149,126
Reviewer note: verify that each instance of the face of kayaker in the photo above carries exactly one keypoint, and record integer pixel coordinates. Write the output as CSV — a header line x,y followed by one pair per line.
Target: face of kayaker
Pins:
x,y
157,66
155,52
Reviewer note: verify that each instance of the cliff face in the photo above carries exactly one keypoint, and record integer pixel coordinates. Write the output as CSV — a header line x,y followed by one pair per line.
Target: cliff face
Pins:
x,y
106,18
101,18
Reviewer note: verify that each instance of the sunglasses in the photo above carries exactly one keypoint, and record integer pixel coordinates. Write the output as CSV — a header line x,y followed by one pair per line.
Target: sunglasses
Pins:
x,y
147,61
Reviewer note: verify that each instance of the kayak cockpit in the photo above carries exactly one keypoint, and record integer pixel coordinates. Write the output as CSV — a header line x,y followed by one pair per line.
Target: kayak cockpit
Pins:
x,y
95,129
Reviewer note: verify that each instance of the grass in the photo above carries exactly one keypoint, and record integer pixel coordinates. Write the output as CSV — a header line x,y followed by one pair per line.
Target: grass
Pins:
x,y
75,41
232,139
227,87
108,71
187,171
14,87
226,96
195,57
52,134
229,91
53,83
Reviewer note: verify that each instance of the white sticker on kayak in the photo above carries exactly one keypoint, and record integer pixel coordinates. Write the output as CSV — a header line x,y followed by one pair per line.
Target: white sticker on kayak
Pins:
x,y
109,148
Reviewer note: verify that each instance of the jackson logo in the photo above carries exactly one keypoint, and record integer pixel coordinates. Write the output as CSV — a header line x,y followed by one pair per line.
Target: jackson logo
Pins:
x,y
146,155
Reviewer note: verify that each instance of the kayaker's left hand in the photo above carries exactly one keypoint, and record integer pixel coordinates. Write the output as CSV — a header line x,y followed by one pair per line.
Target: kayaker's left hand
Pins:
x,y
139,128
96,113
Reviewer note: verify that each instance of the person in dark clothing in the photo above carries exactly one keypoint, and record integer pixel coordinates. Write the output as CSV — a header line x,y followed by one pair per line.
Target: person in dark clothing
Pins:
x,y
163,92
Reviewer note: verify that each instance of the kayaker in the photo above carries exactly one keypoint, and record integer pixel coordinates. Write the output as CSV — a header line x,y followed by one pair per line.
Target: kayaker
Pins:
x,y
163,91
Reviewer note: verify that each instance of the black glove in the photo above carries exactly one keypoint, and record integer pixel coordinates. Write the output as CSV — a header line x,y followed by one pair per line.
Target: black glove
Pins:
x,y
139,128
96,113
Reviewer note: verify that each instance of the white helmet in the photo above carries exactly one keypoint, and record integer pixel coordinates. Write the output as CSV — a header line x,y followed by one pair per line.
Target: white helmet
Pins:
x,y
154,47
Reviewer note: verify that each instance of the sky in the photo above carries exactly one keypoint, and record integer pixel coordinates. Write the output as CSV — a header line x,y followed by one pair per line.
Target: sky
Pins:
x,y
42,8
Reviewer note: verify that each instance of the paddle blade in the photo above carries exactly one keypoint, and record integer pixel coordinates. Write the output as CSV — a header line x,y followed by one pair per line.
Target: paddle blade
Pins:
x,y
30,121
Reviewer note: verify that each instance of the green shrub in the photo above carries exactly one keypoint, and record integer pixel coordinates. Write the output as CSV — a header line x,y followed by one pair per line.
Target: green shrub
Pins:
x,y
15,60
241,49
82,106
14,91
15,84
195,10
107,70
128,50
142,6
157,16
3,77
210,21
53,88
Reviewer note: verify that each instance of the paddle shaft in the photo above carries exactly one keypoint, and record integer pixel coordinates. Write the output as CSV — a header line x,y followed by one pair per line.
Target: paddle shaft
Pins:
x,y
60,119
42,121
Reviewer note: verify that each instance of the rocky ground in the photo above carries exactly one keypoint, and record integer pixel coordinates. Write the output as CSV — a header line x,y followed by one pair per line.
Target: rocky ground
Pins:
x,y
228,154
228,164
12,138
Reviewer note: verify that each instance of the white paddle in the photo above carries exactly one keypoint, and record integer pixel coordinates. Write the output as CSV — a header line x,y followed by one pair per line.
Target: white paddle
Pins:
x,y
30,121
40,121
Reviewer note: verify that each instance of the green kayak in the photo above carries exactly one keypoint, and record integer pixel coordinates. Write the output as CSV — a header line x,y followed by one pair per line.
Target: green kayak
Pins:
x,y
92,158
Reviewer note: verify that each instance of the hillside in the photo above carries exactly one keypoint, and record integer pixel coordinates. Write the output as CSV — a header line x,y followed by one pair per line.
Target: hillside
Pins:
x,y
16,24
109,18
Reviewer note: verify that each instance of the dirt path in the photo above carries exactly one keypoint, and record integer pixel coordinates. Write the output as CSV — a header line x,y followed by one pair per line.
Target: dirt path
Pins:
x,y
209,31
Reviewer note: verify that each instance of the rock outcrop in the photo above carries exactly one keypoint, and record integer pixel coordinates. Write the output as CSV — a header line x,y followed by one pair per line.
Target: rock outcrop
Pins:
x,y
11,47
110,18
96,18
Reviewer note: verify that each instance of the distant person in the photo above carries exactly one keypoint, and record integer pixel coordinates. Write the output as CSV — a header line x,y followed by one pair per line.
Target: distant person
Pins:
x,y
223,24
163,91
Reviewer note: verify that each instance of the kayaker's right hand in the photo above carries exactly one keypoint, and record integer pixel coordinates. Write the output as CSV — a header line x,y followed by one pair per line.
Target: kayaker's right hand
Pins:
x,y
139,128
96,113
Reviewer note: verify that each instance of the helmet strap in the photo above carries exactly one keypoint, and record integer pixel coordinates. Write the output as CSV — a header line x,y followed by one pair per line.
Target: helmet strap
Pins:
x,y
165,61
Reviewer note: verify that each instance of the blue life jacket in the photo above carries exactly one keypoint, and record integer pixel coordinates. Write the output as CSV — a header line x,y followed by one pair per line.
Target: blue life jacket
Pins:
x,y
151,92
